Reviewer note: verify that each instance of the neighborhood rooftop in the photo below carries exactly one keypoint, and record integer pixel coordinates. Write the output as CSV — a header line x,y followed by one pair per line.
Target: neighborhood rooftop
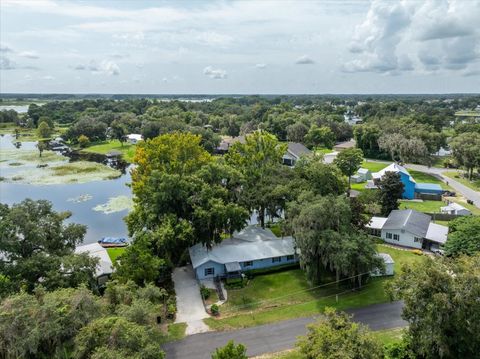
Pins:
x,y
249,244
391,168
298,149
409,220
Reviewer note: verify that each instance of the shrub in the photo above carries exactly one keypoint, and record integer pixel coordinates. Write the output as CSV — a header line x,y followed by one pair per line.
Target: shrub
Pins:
x,y
214,309
417,252
205,292
83,141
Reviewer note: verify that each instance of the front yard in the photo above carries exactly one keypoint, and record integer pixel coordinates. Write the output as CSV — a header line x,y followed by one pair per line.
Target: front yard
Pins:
x,y
286,295
127,150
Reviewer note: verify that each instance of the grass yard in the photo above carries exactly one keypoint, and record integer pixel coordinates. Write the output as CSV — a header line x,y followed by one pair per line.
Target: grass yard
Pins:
x,y
127,150
360,187
374,166
425,206
176,331
475,185
286,295
113,253
421,177
323,151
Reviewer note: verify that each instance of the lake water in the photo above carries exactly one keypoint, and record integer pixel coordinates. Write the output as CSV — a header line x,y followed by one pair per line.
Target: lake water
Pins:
x,y
68,197
18,108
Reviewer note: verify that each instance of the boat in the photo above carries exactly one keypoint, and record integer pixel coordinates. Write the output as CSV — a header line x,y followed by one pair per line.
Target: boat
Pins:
x,y
110,242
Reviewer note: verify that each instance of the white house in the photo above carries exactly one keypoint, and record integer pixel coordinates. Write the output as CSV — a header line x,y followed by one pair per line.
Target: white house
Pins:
x,y
389,264
409,228
251,248
104,267
133,138
362,175
455,208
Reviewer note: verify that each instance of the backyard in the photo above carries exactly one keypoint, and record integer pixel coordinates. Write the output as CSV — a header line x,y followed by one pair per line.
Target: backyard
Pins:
x,y
127,150
285,295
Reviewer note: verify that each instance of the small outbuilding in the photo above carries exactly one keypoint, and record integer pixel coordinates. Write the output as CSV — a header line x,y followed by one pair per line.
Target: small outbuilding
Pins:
x,y
134,138
456,209
104,267
389,265
363,174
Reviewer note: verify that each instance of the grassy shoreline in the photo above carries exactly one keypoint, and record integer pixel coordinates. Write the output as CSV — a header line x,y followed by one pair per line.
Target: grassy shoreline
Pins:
x,y
104,147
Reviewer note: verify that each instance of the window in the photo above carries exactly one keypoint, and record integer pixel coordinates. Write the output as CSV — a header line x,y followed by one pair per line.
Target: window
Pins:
x,y
389,235
248,263
276,259
209,271
417,239
290,258
396,237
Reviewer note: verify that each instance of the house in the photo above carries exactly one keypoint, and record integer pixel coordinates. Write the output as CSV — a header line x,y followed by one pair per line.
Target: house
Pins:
x,y
133,138
352,119
340,146
407,180
104,267
362,175
456,209
411,189
295,150
226,142
389,264
409,228
251,248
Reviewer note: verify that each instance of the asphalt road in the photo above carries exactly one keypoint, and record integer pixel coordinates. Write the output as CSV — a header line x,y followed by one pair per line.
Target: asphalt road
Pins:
x,y
277,336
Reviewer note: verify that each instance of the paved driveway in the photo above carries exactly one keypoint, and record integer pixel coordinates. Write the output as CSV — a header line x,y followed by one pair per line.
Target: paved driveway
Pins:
x,y
278,336
190,307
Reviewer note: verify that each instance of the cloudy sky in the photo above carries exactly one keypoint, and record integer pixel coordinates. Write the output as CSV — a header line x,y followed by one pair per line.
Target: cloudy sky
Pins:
x,y
167,47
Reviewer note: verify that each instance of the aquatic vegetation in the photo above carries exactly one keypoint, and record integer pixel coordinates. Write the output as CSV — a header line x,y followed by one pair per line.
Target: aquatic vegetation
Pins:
x,y
81,198
115,204
11,157
15,164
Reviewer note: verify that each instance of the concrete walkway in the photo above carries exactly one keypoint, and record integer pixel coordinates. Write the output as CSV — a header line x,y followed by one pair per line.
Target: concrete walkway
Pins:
x,y
190,307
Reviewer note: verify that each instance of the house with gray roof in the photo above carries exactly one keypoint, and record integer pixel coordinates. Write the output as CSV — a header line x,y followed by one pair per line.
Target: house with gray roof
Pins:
x,y
295,150
409,228
251,248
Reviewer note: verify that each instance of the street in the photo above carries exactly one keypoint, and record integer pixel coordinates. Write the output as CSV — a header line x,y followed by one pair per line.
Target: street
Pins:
x,y
277,336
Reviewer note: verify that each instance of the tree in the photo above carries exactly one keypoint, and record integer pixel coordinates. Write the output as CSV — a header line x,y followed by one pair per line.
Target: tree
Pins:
x,y
404,149
47,120
38,247
391,190
118,131
256,159
117,337
83,141
297,132
91,127
230,351
336,336
349,162
463,236
466,150
43,130
42,146
441,305
320,137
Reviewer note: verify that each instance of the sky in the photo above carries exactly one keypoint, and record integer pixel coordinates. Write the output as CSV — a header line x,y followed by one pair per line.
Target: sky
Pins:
x,y
239,47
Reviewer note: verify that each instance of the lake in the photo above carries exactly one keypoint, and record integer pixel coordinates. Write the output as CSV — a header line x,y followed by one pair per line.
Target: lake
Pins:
x,y
78,198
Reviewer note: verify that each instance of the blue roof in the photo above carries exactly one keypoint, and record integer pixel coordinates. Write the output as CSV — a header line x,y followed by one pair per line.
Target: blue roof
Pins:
x,y
428,187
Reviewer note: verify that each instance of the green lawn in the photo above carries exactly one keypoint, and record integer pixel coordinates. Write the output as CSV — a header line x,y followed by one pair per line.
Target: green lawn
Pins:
x,y
421,177
425,206
113,253
176,331
323,150
360,187
374,166
286,295
127,150
475,185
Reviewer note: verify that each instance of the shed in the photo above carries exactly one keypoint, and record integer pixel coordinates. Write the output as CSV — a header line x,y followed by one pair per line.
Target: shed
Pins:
x,y
389,265
428,188
456,209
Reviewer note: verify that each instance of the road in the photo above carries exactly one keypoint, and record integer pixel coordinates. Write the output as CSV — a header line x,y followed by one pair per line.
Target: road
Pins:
x,y
279,336
438,172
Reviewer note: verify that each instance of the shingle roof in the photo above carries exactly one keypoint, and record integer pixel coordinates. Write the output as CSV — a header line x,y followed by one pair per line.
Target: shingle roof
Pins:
x,y
411,221
437,233
96,250
453,206
298,149
376,223
252,243
392,168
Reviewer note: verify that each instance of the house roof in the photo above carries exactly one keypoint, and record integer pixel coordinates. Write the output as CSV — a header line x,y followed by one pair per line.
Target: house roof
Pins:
x,y
428,187
297,149
135,136
363,171
96,250
252,243
392,168
376,223
409,220
453,207
345,144
387,259
437,233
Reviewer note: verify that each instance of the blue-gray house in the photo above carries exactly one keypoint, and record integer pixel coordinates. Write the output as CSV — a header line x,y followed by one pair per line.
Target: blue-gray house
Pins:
x,y
251,248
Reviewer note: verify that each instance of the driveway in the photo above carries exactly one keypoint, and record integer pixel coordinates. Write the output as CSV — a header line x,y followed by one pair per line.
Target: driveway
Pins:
x,y
278,336
190,307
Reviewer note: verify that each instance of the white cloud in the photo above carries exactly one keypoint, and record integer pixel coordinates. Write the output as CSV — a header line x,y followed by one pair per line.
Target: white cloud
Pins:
x,y
6,63
105,67
215,73
48,77
4,48
29,54
304,60
261,66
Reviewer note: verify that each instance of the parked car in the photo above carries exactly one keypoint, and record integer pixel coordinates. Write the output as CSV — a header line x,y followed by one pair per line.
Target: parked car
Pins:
x,y
438,252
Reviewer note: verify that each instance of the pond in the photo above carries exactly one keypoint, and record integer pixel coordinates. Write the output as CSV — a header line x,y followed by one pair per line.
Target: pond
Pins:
x,y
101,205
18,108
